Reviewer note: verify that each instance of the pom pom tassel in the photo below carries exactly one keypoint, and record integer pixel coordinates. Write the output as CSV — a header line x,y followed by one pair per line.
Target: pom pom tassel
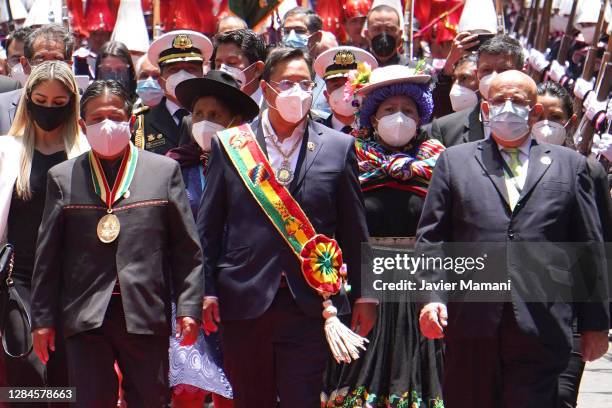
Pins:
x,y
343,342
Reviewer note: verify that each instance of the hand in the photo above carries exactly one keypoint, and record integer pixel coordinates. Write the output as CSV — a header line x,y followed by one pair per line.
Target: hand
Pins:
x,y
188,328
364,317
433,319
602,145
592,106
581,87
556,71
537,60
462,42
210,315
594,344
44,340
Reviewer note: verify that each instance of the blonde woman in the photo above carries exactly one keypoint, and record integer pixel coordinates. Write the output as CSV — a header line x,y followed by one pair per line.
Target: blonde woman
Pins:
x,y
44,133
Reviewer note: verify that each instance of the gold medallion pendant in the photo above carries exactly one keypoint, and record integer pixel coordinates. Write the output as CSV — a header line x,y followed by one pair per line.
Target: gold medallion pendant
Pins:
x,y
284,175
108,228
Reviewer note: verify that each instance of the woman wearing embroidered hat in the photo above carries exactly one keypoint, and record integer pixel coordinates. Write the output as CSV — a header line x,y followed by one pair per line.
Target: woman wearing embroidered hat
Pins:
x,y
216,103
396,160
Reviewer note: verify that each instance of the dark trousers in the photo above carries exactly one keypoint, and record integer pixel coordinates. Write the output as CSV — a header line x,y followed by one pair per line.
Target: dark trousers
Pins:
x,y
143,360
29,371
569,380
280,355
508,371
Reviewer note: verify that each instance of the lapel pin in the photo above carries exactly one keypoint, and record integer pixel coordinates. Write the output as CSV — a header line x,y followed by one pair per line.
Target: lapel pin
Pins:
x,y
311,146
127,195
545,160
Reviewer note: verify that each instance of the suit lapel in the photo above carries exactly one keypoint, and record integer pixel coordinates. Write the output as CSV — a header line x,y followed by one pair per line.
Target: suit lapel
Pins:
x,y
259,135
311,145
474,126
539,162
490,160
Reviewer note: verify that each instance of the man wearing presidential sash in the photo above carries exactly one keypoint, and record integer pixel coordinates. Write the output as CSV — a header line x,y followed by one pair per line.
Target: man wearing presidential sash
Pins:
x,y
281,213
116,242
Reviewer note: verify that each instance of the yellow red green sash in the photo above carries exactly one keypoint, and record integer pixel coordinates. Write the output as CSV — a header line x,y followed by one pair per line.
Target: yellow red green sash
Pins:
x,y
320,257
123,180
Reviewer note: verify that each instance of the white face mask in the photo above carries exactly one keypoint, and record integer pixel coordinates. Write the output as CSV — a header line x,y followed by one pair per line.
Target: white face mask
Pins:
x,y
339,105
203,133
546,131
173,80
18,74
484,84
108,138
588,33
236,73
397,129
509,122
292,104
558,23
462,98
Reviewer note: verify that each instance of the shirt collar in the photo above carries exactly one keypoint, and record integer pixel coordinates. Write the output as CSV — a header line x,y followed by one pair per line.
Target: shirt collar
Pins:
x,y
523,148
172,107
268,129
338,125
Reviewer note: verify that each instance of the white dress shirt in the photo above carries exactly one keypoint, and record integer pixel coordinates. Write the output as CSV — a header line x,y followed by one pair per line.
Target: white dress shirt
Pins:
x,y
274,156
519,179
337,125
172,108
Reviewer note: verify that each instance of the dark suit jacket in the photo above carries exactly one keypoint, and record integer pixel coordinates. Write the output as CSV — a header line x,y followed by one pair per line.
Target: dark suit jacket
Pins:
x,y
157,251
8,84
161,131
458,127
8,107
244,254
467,202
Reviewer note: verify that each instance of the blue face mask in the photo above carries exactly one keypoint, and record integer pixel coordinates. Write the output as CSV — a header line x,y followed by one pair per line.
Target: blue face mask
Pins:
x,y
149,91
295,40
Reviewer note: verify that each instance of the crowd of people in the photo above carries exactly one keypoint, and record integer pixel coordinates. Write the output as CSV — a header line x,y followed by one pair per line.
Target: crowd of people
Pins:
x,y
190,225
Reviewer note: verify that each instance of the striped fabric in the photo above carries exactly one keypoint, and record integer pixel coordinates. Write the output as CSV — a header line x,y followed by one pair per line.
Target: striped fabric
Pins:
x,y
378,167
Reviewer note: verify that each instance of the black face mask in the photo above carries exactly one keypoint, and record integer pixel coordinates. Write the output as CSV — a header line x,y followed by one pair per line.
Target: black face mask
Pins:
x,y
123,77
49,117
384,45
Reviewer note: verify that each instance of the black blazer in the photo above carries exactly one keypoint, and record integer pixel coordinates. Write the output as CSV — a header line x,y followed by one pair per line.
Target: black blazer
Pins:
x,y
467,201
157,251
458,127
160,130
244,254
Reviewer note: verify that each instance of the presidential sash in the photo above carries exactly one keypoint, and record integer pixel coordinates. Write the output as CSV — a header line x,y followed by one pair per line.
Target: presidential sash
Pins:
x,y
319,256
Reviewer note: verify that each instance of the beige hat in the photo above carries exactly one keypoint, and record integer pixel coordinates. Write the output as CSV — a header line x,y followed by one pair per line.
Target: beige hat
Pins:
x,y
180,46
392,74
338,61
130,28
478,15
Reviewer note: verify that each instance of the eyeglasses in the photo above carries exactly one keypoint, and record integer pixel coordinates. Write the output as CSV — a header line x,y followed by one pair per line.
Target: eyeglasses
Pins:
x,y
514,100
39,60
286,84
298,30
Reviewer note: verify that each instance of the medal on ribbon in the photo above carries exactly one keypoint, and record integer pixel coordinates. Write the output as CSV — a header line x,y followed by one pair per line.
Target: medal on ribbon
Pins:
x,y
109,226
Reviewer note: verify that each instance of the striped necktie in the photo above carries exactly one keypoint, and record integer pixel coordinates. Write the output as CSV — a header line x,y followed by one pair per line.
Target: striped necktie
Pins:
x,y
513,177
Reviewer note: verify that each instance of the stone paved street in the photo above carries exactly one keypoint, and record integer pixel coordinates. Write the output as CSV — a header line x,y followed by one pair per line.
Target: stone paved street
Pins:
x,y
596,387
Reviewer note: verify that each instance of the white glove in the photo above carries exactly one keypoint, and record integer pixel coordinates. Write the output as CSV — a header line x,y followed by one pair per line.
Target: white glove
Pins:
x,y
609,115
592,106
581,87
537,60
523,41
556,71
602,146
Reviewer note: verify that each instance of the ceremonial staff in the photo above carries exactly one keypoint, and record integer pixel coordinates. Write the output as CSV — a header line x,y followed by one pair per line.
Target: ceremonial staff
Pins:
x,y
533,23
567,38
541,38
586,130
589,63
9,12
501,22
157,31
408,35
604,60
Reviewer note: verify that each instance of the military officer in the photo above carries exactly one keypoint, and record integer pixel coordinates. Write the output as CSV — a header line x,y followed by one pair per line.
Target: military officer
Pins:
x,y
333,66
180,55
